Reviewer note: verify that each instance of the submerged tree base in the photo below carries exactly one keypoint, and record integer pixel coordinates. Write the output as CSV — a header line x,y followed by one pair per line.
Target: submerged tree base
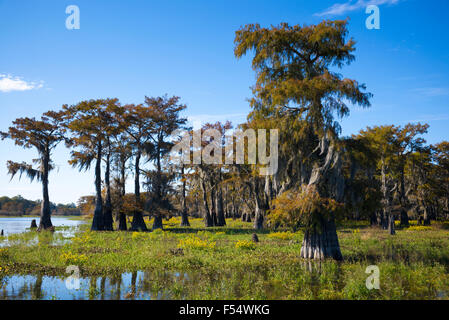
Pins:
x,y
321,244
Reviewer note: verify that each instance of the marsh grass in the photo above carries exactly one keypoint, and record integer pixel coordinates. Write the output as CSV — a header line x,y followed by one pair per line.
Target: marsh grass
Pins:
x,y
413,264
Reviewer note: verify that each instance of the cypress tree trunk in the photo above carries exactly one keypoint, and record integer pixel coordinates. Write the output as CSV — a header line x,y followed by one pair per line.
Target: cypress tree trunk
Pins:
x,y
98,222
404,218
403,202
185,219
321,240
221,221
122,216
260,207
157,224
184,216
122,222
207,217
108,221
391,228
45,220
138,224
426,220
386,199
323,243
213,213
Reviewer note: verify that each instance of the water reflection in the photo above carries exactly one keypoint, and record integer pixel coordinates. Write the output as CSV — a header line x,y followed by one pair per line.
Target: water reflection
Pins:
x,y
133,286
14,229
12,225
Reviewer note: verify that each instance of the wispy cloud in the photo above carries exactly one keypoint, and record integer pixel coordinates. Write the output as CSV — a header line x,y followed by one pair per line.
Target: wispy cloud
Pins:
x,y
429,118
349,6
9,83
432,91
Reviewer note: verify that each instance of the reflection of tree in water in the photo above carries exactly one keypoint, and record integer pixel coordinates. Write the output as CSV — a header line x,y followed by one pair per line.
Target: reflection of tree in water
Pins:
x,y
116,286
102,287
37,289
93,288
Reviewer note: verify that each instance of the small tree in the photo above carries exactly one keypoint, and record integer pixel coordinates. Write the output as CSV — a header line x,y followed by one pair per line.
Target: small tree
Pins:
x,y
43,135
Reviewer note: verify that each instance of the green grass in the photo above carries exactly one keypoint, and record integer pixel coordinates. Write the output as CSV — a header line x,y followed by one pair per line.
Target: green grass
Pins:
x,y
413,264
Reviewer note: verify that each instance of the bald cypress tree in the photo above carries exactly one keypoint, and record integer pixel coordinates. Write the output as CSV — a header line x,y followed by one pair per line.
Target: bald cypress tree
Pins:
x,y
43,135
90,124
166,119
296,86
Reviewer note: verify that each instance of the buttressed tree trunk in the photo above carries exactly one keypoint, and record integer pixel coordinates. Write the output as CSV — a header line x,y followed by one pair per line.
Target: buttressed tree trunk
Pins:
x,y
157,223
45,220
138,224
108,221
261,206
322,242
98,222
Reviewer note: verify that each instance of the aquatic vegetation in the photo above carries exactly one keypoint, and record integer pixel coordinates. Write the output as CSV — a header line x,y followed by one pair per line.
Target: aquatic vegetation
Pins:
x,y
72,258
245,244
412,263
193,242
281,235
419,228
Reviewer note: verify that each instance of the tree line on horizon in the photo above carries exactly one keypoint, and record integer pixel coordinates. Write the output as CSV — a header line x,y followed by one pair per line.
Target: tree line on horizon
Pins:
x,y
381,174
19,206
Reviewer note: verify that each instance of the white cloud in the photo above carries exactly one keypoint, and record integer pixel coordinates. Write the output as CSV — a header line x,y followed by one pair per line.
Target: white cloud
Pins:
x,y
342,8
9,83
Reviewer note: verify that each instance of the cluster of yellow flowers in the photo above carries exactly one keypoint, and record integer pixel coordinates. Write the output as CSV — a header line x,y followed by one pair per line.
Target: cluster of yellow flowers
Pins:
x,y
356,232
83,239
281,235
174,220
139,236
69,257
411,222
245,244
419,228
196,243
3,269
203,234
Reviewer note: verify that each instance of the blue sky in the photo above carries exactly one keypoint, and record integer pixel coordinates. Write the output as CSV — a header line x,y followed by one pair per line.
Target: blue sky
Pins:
x,y
129,49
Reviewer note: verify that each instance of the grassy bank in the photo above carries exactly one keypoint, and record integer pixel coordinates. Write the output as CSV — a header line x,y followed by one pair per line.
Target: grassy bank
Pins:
x,y
222,263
